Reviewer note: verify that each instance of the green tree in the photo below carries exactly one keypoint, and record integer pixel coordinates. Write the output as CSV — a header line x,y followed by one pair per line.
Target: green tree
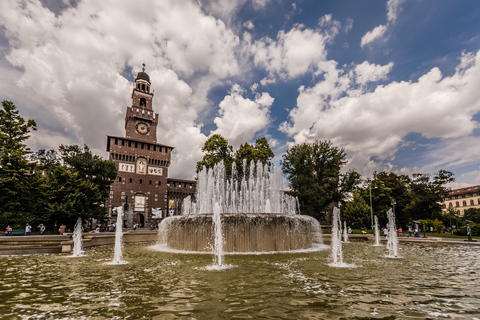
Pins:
x,y
216,149
427,195
17,181
89,166
356,212
260,152
472,214
313,171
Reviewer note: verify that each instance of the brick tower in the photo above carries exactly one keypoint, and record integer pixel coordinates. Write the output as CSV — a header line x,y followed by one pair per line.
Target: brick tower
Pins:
x,y
142,186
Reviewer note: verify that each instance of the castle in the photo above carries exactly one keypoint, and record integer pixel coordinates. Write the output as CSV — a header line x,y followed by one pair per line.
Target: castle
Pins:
x,y
142,186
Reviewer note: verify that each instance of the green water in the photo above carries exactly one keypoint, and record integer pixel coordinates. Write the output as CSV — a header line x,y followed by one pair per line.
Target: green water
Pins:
x,y
429,282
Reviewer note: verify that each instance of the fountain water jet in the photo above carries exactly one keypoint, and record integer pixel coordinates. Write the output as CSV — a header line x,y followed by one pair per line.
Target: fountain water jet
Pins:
x,y
77,238
345,232
218,235
256,214
118,249
377,233
337,254
392,239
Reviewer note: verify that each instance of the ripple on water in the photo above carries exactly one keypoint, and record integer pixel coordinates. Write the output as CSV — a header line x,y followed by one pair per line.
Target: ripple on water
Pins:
x,y
428,282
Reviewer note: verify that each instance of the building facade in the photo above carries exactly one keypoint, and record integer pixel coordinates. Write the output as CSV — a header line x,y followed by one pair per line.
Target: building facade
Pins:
x,y
142,186
462,199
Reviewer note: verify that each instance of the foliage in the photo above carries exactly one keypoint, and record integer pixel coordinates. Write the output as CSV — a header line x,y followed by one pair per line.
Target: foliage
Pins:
x,y
89,166
472,214
217,149
42,190
462,231
313,171
438,225
356,212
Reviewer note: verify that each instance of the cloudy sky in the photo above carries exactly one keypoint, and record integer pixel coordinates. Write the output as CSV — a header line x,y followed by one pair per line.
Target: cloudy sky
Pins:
x,y
396,83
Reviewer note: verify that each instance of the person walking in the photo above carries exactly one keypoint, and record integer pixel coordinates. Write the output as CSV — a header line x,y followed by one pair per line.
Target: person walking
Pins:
x,y
409,231
42,229
28,230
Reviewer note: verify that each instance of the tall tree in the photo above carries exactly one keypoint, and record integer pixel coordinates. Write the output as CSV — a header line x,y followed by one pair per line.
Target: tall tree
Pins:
x,y
314,173
89,166
260,152
16,174
356,212
216,149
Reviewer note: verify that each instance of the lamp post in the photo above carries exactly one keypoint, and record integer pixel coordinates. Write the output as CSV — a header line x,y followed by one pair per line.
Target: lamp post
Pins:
x,y
393,204
371,207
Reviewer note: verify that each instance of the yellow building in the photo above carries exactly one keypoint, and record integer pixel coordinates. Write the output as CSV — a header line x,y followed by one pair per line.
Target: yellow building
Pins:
x,y
462,199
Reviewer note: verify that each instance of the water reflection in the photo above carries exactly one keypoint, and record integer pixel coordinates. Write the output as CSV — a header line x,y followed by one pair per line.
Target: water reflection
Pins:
x,y
428,282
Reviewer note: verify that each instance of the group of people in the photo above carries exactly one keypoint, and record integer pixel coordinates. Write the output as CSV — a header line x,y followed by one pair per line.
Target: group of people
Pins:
x,y
28,229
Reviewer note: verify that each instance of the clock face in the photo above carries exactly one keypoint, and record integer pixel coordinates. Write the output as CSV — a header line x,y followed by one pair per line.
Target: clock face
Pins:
x,y
142,128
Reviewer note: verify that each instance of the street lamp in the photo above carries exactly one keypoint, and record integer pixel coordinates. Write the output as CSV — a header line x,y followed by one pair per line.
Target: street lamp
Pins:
x,y
393,204
371,206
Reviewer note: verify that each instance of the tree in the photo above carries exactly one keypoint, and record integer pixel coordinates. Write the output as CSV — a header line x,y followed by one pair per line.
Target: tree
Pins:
x,y
313,171
356,212
472,214
89,166
17,180
427,195
261,152
216,149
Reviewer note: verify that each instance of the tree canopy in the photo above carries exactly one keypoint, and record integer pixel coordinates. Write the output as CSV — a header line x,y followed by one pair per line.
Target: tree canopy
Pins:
x,y
37,188
314,173
217,149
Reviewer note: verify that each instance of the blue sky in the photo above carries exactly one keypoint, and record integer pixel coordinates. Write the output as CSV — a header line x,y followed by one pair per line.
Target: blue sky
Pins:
x,y
396,83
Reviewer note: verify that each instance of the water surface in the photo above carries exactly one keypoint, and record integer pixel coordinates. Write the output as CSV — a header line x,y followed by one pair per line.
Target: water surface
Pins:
x,y
429,282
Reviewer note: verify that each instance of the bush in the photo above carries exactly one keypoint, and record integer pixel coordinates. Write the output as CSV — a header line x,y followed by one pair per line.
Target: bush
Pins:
x,y
463,230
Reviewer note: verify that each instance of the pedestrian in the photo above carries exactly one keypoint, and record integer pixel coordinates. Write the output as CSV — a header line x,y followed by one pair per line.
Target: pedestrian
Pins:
x,y
62,229
8,231
134,226
400,230
42,229
385,232
409,231
28,230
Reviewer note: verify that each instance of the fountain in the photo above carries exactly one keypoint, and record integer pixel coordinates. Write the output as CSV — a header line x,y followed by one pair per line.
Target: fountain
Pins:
x,y
377,233
345,232
77,239
218,234
256,214
392,239
118,249
337,255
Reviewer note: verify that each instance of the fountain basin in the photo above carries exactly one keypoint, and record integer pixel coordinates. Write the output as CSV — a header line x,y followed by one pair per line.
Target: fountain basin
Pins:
x,y
242,232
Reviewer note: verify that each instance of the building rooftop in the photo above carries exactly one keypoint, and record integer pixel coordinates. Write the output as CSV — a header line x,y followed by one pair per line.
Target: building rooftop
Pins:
x,y
464,190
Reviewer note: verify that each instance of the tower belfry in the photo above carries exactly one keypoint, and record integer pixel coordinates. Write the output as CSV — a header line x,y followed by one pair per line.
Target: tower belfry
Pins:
x,y
141,121
142,186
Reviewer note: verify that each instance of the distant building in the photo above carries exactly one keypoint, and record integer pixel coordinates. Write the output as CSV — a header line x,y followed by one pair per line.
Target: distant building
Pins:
x,y
142,186
462,199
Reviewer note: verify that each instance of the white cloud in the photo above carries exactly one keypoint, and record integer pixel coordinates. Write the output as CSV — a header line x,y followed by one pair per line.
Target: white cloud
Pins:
x,y
249,25
369,72
67,69
376,33
295,52
393,9
374,123
241,118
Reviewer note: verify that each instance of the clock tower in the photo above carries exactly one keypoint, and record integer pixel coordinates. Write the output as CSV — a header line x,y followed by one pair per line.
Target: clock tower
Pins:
x,y
141,121
142,186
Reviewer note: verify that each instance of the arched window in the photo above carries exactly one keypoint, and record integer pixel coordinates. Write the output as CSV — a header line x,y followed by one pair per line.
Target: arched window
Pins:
x,y
141,181
148,89
464,203
143,86
150,182
472,203
159,183
119,179
450,205
478,200
143,102
138,86
457,204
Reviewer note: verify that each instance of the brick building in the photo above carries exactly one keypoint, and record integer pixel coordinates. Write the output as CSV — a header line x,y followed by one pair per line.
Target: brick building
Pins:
x,y
142,186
